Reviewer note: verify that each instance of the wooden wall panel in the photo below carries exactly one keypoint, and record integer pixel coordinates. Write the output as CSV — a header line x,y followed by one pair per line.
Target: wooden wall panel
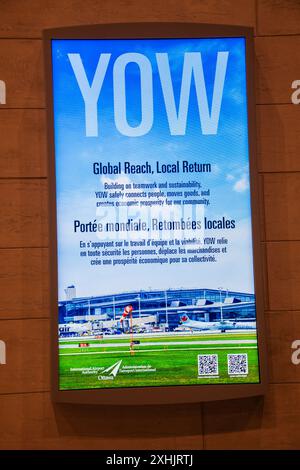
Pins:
x,y
264,265
21,67
28,356
24,210
23,143
277,67
31,421
278,17
255,423
281,196
24,283
282,329
23,213
23,140
28,366
283,260
28,18
28,419
278,143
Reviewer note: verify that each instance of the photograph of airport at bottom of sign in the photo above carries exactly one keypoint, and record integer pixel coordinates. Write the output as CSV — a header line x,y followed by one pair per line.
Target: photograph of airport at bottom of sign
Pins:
x,y
157,338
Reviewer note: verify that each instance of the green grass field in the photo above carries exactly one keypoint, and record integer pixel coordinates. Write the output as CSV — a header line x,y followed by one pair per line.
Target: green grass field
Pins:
x,y
157,361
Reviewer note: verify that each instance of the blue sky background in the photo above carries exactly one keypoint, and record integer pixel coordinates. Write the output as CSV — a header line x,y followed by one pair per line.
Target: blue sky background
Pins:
x,y
227,151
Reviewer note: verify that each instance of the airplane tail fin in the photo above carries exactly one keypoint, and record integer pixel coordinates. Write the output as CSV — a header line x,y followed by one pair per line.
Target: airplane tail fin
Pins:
x,y
184,318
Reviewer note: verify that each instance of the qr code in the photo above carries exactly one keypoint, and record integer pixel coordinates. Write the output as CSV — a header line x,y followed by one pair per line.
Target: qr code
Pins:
x,y
208,364
237,364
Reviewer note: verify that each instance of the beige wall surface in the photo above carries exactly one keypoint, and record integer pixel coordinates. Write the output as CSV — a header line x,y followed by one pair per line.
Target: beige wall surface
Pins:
x,y
28,419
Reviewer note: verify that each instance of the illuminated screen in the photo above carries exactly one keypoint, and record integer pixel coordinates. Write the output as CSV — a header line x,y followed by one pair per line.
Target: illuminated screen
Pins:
x,y
155,262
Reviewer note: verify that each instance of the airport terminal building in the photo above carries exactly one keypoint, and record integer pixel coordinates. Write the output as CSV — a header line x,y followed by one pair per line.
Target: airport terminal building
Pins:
x,y
164,307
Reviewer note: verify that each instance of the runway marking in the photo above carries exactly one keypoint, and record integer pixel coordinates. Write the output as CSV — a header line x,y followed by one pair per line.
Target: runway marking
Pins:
x,y
154,350
163,335
162,343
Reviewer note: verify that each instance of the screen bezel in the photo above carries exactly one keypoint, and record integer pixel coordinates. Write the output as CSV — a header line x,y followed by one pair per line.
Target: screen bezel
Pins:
x,y
157,394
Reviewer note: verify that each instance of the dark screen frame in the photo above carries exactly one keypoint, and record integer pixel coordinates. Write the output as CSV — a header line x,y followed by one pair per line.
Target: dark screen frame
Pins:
x,y
163,394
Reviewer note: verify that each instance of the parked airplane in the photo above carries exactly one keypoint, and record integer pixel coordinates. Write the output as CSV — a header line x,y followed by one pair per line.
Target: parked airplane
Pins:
x,y
218,325
74,329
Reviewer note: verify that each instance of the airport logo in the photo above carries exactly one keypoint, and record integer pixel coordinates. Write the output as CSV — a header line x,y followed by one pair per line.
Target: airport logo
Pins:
x,y
2,352
111,371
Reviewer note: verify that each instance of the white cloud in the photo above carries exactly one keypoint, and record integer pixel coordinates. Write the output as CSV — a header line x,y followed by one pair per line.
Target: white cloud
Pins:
x,y
242,184
171,147
230,177
236,95
216,170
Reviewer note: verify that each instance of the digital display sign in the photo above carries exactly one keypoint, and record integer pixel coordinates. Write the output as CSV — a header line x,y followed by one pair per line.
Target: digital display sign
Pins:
x,y
154,241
